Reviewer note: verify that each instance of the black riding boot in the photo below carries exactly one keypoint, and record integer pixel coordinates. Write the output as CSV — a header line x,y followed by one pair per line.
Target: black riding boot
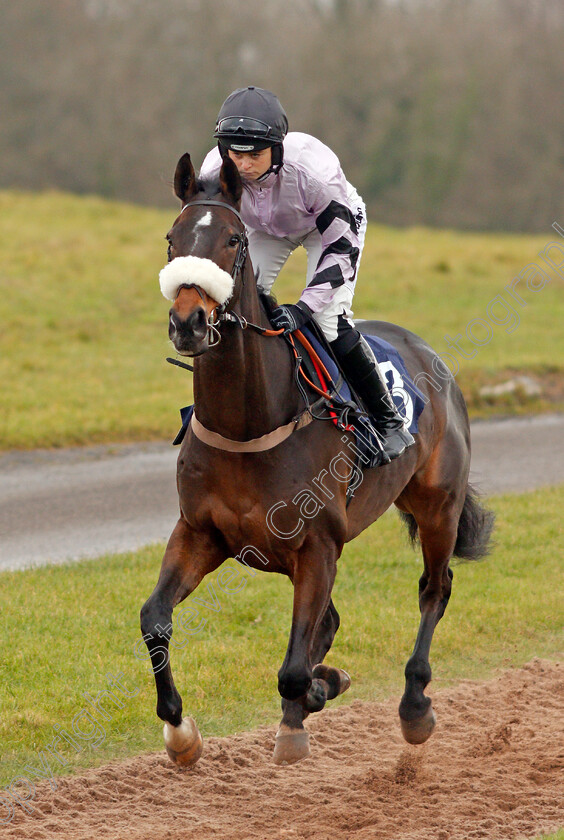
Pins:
x,y
361,368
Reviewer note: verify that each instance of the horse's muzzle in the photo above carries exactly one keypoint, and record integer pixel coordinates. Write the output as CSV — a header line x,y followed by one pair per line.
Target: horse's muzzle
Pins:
x,y
189,335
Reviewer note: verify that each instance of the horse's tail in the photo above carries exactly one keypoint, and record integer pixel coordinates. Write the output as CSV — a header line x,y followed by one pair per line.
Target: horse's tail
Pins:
x,y
475,526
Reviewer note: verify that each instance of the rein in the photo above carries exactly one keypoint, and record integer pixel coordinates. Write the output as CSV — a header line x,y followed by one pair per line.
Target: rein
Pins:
x,y
281,433
220,314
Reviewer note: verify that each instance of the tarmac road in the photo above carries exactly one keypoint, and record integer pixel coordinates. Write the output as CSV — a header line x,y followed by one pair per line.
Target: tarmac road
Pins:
x,y
64,505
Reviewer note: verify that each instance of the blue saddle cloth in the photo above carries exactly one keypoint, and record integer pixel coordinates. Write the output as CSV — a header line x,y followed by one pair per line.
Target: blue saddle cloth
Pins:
x,y
406,395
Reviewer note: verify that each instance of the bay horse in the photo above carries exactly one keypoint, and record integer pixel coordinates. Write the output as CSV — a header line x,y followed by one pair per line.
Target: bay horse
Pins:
x,y
236,466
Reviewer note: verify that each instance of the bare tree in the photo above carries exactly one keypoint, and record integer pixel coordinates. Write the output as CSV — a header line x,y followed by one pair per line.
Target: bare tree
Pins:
x,y
443,112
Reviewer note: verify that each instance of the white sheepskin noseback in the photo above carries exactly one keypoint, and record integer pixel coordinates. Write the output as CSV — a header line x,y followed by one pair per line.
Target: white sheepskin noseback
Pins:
x,y
201,272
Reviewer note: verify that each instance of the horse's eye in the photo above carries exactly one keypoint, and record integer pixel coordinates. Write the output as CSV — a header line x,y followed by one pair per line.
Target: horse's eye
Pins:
x,y
234,240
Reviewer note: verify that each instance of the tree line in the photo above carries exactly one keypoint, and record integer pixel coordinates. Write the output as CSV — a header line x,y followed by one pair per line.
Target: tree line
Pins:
x,y
443,112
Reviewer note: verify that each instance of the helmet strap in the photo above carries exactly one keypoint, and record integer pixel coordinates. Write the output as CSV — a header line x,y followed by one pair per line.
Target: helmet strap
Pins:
x,y
277,158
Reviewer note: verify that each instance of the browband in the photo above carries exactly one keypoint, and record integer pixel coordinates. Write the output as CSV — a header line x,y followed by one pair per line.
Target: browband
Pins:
x,y
207,202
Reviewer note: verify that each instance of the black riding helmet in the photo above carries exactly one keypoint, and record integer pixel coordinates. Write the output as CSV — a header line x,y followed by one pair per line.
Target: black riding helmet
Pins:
x,y
252,119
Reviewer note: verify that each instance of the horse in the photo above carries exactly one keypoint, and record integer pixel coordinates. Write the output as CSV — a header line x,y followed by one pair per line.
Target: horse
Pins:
x,y
252,445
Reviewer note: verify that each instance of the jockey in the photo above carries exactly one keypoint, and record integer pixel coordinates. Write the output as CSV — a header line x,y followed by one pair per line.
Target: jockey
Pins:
x,y
295,193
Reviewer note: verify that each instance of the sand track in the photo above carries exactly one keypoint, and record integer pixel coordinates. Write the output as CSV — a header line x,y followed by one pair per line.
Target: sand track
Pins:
x,y
493,769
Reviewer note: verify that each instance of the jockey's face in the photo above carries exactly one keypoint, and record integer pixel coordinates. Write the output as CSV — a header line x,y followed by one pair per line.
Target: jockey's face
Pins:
x,y
252,165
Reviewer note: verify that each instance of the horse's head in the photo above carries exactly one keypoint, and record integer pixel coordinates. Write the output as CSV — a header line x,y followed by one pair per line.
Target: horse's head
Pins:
x,y
206,251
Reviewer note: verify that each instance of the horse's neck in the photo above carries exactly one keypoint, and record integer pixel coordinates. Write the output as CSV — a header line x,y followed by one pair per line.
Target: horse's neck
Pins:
x,y
243,387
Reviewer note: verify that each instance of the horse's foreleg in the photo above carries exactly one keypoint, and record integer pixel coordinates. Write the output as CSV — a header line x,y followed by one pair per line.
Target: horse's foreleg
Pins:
x,y
294,711
416,712
313,582
292,742
305,688
187,559
327,682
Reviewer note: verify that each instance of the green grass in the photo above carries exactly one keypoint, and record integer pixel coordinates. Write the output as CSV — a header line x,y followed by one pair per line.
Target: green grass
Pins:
x,y
64,628
83,339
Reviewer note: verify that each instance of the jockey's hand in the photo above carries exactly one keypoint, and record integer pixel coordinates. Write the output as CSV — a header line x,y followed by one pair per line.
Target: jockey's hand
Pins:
x,y
290,316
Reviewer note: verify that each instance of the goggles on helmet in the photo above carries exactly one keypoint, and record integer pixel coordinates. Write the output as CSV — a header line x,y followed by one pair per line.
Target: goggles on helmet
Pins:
x,y
245,126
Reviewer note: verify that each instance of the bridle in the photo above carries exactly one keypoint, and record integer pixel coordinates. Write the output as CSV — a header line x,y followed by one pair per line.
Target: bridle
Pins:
x,y
220,313
242,249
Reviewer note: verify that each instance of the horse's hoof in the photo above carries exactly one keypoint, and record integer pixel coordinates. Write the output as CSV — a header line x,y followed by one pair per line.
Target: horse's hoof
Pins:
x,y
183,743
345,681
337,680
419,730
291,745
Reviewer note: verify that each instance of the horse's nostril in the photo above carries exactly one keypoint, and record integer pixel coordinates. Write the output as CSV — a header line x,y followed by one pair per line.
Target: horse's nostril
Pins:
x,y
197,322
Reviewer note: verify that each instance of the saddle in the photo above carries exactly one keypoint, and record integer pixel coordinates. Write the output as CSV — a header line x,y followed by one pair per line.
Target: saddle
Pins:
x,y
341,403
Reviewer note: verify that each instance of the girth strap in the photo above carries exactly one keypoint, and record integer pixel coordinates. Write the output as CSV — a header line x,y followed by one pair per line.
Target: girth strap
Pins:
x,y
260,444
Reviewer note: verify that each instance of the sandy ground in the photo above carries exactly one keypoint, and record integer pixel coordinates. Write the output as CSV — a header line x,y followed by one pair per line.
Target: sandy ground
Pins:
x,y
62,505
494,769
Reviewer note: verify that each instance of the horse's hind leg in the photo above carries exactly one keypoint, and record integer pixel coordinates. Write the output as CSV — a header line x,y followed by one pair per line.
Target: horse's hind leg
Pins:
x,y
187,559
438,536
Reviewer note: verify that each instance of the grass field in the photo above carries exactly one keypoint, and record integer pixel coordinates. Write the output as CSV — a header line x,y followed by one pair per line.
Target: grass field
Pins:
x,y
83,339
65,628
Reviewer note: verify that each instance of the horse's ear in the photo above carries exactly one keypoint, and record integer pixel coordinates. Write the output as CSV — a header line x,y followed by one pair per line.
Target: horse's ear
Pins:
x,y
185,179
230,181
